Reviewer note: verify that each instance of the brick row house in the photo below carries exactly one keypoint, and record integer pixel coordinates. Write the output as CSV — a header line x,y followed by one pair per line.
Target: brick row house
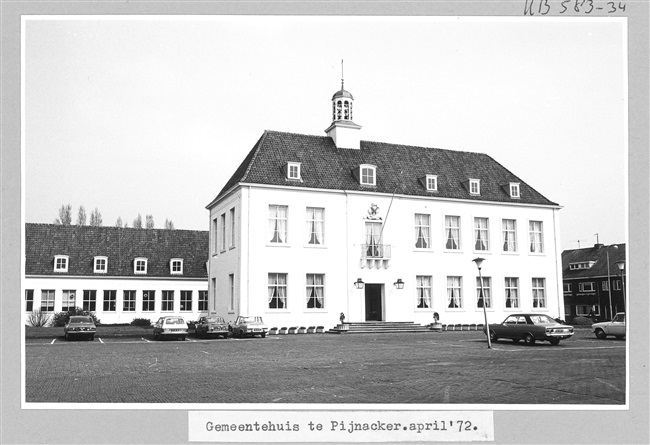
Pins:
x,y
310,226
117,273
593,282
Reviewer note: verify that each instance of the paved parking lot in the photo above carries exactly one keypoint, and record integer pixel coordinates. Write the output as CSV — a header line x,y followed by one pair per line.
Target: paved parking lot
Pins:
x,y
424,368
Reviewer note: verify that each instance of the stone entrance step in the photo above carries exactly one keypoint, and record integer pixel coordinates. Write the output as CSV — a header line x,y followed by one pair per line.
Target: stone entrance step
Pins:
x,y
368,327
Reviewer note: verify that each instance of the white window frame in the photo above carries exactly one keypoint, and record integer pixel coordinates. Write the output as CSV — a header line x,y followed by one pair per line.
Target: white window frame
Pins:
x,y
202,302
450,304
616,285
166,302
172,263
474,186
536,237
457,229
372,178
184,301
97,264
232,227
567,288
605,285
422,220
505,240
422,283
508,287
313,287
487,293
293,171
276,218
69,295
582,287
231,292
136,262
515,191
311,220
48,300
61,263
539,293
432,183
128,300
484,230
274,282
222,232
215,236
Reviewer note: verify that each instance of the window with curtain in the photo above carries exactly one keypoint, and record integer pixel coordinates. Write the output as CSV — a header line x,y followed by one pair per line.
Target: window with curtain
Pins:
x,y
481,239
512,292
315,291
277,291
315,225
454,295
47,300
373,239
536,237
423,291
509,235
539,292
452,232
69,300
422,231
484,294
278,224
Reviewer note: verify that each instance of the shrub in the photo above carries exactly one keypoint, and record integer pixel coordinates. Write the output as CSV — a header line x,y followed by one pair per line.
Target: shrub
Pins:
x,y
61,318
144,322
38,318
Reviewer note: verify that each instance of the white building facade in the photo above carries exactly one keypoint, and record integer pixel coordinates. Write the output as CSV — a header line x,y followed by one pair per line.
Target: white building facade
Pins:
x,y
306,219
118,274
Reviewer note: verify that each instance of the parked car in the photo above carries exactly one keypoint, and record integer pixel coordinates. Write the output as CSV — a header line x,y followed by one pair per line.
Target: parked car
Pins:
x,y
80,326
171,326
211,326
530,328
616,327
249,326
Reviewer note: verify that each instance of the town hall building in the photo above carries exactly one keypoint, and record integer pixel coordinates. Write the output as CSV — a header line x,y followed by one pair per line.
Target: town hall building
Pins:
x,y
309,227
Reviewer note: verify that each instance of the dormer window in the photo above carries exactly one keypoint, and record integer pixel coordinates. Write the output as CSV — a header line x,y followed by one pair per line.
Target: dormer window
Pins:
x,y
581,265
61,263
432,183
367,174
100,264
176,266
514,190
475,186
293,170
140,266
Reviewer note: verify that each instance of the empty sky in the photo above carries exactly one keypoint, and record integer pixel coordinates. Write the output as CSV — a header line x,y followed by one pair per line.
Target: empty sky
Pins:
x,y
152,115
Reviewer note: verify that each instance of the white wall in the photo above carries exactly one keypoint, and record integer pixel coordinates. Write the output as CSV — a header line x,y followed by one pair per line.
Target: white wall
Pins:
x,y
79,284
339,258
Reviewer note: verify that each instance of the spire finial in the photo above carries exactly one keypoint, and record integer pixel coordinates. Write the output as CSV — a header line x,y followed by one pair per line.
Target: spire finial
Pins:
x,y
342,74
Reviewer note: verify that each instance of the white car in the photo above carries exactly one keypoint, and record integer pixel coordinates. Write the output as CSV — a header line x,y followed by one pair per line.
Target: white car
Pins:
x,y
248,327
616,327
170,327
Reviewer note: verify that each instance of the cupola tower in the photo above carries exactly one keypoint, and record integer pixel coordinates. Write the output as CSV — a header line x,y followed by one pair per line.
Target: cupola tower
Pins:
x,y
343,131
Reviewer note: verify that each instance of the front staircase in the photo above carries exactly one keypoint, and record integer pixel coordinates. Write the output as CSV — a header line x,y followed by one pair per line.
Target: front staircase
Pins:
x,y
371,327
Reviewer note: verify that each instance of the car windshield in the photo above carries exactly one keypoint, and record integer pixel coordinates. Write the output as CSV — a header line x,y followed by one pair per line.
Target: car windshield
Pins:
x,y
214,320
174,321
619,317
542,319
81,320
250,320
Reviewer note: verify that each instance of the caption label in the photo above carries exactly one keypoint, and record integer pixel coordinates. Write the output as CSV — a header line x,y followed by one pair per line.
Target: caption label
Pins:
x,y
333,426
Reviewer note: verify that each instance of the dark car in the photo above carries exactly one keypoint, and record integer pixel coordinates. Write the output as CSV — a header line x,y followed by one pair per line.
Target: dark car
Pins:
x,y
170,327
211,326
80,326
530,328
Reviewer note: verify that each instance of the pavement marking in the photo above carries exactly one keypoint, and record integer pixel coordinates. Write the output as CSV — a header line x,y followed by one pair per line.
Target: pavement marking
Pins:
x,y
609,384
154,364
144,339
205,352
53,341
100,340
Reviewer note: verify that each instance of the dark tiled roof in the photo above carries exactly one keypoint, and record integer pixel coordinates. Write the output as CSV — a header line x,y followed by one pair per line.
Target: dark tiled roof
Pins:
x,y
121,246
597,253
399,168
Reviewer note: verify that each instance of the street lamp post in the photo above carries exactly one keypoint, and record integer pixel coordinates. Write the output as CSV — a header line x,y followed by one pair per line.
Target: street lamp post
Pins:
x,y
621,267
479,262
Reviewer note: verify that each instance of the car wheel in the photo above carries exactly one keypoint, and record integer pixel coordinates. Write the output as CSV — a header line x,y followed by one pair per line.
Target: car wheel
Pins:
x,y
493,337
529,340
554,341
241,334
516,340
600,334
264,335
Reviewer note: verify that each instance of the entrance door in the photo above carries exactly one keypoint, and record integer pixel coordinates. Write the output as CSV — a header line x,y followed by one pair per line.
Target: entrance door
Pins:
x,y
373,302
